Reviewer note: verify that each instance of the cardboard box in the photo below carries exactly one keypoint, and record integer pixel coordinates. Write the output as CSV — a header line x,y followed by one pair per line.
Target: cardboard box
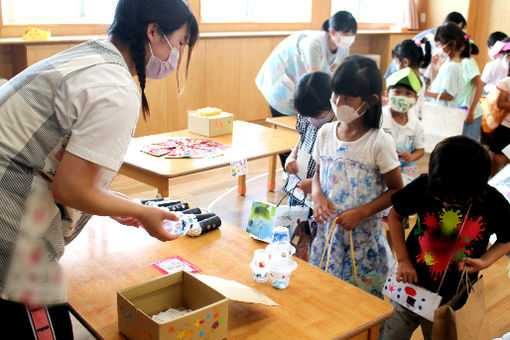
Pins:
x,y
212,126
181,290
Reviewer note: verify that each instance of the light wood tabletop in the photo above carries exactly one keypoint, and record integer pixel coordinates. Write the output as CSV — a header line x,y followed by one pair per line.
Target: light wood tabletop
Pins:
x,y
107,257
288,122
248,140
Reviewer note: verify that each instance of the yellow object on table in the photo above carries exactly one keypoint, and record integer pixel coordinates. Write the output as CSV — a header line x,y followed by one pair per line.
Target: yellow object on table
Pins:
x,y
33,33
209,111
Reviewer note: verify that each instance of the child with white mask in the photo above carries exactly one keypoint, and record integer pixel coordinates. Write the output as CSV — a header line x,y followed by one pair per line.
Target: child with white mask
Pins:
x,y
357,171
407,131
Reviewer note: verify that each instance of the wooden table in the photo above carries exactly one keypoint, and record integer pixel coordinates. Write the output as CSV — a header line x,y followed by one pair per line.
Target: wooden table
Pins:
x,y
107,257
250,141
288,122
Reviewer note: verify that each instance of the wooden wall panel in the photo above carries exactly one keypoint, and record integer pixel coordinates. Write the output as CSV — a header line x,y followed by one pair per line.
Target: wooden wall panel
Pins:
x,y
6,62
221,82
253,53
43,51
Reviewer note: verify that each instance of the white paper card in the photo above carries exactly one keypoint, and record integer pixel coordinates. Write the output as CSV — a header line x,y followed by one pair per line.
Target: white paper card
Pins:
x,y
239,167
303,158
440,122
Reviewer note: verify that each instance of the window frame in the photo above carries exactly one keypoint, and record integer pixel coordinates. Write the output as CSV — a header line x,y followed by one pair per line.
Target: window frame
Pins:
x,y
320,11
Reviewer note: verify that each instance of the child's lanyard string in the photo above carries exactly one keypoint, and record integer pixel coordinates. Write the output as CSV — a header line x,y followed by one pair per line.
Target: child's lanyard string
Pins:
x,y
455,247
291,191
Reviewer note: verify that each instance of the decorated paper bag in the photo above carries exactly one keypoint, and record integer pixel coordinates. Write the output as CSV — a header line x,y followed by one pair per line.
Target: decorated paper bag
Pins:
x,y
265,216
468,322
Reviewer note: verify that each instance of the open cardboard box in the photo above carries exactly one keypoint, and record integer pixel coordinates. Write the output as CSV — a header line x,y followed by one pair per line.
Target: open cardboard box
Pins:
x,y
211,126
207,297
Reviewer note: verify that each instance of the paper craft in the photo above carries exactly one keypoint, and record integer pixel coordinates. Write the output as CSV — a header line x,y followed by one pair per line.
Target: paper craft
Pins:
x,y
303,158
298,192
239,167
440,122
415,298
174,264
185,147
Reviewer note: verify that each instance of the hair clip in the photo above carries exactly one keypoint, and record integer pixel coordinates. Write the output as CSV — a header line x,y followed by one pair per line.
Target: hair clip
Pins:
x,y
467,36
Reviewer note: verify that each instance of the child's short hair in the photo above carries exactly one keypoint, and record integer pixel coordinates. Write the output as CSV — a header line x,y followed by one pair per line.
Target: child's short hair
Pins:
x,y
399,85
451,32
459,169
359,76
313,94
495,36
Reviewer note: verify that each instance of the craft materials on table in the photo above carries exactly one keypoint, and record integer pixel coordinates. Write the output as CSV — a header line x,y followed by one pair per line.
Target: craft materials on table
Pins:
x,y
185,147
169,314
276,260
174,264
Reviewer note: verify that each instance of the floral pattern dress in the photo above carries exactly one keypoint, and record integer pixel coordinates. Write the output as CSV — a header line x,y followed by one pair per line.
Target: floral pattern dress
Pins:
x,y
349,184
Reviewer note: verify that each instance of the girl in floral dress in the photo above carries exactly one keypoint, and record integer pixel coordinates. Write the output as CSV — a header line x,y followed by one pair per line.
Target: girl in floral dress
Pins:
x,y
357,172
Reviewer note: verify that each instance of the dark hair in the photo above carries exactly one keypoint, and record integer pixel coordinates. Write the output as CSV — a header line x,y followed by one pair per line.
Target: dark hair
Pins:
x,y
474,49
459,169
341,21
400,85
494,37
130,27
408,49
456,18
359,76
313,94
451,32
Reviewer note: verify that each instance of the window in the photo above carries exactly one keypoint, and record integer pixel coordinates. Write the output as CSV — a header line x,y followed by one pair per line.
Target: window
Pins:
x,y
58,11
371,11
219,11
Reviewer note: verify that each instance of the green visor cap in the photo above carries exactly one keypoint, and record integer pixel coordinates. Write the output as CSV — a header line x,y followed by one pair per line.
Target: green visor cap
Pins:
x,y
404,76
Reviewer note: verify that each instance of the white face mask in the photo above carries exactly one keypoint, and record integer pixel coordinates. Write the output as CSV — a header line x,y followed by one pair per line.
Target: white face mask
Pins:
x,y
318,122
157,68
401,104
346,113
343,41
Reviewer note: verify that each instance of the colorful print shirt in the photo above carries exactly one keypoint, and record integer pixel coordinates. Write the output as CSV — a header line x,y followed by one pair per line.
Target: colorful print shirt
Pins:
x,y
434,238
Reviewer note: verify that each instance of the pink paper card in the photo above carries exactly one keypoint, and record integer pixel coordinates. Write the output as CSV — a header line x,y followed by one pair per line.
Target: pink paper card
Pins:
x,y
174,264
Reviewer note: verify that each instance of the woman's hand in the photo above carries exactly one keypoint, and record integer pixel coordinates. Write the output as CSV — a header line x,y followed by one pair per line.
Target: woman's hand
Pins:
x,y
406,272
152,221
349,219
291,166
129,221
306,185
406,156
323,209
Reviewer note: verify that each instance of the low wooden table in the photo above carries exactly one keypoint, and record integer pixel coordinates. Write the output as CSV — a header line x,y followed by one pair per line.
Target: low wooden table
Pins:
x,y
107,257
250,141
288,122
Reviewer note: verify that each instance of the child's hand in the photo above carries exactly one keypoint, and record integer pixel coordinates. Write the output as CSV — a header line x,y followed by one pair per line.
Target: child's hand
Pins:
x,y
406,272
152,221
472,265
406,156
348,219
306,185
291,166
323,210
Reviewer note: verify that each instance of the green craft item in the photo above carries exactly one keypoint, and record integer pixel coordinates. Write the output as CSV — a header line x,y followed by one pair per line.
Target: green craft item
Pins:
x,y
404,76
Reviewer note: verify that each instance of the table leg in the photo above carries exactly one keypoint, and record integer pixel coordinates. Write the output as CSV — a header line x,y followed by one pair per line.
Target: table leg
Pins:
x,y
373,333
163,188
241,185
271,177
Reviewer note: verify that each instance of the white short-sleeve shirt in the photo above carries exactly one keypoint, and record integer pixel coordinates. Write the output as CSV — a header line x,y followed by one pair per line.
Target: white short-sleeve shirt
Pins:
x,y
504,85
375,149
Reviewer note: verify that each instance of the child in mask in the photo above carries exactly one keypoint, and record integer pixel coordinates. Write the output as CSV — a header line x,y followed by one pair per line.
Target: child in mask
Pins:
x,y
312,102
416,55
469,99
447,85
497,68
407,131
357,171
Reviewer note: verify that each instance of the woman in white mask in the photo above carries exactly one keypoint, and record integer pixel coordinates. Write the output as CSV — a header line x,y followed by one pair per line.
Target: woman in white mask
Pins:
x,y
300,53
66,124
